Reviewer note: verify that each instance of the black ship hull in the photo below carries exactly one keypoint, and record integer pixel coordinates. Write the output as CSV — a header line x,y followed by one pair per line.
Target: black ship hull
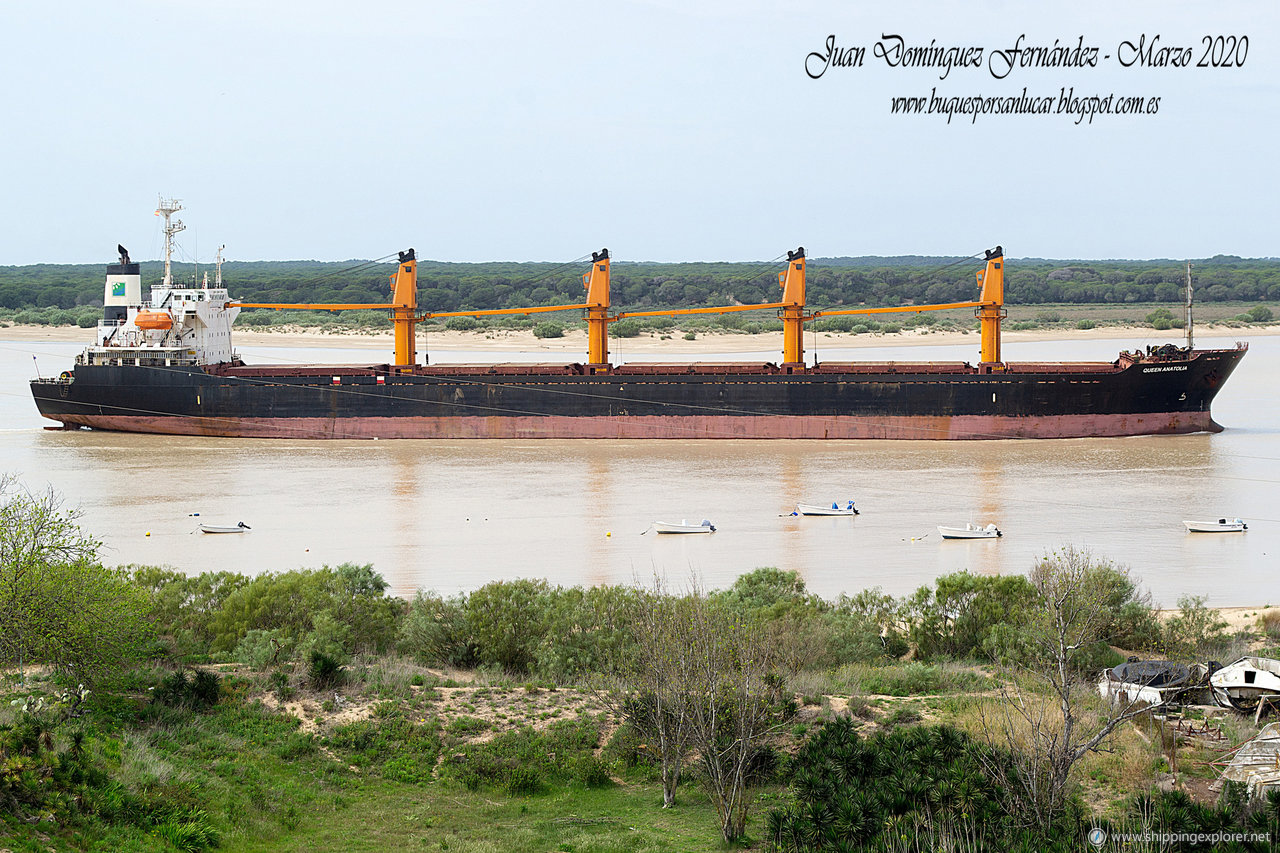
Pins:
x,y
1154,395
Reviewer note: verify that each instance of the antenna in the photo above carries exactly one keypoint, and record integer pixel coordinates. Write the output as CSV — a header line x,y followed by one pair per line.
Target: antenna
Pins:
x,y
218,278
167,207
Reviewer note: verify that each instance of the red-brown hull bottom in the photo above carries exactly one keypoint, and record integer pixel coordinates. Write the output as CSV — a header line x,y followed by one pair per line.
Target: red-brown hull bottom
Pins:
x,y
959,427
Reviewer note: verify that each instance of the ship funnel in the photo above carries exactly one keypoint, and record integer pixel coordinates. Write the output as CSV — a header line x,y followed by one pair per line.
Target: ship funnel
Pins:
x,y
123,287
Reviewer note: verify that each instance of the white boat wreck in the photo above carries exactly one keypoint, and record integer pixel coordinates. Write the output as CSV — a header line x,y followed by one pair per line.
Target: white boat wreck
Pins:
x,y
683,527
1149,682
1242,684
1222,525
834,509
240,527
970,531
1256,763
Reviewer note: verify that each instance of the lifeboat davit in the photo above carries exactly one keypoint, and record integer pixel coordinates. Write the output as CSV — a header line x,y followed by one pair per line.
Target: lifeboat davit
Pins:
x,y
153,320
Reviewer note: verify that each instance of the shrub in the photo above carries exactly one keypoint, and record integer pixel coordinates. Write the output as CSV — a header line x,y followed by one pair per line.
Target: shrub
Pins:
x,y
1195,628
917,782
262,649
196,693
521,780
507,620
625,329
1162,323
434,631
461,324
956,619
1269,622
324,671
548,330
1159,314
1086,324
591,772
690,336
1260,314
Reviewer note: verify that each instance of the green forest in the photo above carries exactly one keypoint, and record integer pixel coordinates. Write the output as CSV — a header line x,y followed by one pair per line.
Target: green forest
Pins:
x,y
873,281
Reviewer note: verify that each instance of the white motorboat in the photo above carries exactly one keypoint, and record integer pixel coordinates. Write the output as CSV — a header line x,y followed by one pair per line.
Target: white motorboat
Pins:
x,y
1242,684
683,527
1148,682
1222,525
240,527
970,531
834,509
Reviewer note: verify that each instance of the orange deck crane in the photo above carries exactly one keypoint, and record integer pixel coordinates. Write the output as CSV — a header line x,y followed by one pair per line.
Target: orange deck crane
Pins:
x,y
404,310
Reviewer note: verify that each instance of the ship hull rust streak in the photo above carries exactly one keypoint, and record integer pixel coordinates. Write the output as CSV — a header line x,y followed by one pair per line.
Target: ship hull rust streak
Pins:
x,y
959,427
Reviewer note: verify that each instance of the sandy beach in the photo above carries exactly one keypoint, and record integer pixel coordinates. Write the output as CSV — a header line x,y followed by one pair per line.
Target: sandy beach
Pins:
x,y
575,341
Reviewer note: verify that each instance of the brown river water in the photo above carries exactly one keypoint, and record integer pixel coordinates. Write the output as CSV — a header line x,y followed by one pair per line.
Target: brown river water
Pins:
x,y
451,516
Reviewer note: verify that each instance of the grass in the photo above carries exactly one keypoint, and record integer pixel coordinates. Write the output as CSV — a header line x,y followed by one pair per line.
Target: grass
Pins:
x,y
904,679
376,815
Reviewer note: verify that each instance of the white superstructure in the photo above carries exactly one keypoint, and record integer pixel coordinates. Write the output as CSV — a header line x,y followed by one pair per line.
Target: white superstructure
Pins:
x,y
177,325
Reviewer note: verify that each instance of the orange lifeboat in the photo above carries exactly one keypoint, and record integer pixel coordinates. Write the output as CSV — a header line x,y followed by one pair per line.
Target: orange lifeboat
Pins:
x,y
153,320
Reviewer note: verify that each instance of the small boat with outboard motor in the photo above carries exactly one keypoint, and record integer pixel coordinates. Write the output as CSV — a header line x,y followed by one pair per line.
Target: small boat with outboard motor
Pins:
x,y
834,509
970,531
1222,525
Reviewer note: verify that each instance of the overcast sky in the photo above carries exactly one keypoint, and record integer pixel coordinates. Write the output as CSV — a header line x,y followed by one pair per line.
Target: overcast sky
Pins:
x,y
674,131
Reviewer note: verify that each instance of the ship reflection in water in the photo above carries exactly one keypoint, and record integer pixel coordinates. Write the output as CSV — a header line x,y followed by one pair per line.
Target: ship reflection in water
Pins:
x,y
453,515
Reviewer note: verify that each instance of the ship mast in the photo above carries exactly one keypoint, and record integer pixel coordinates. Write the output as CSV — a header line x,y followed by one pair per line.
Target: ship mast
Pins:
x,y
1191,337
167,207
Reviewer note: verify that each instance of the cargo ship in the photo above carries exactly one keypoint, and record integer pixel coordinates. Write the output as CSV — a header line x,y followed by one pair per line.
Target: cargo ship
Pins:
x,y
167,365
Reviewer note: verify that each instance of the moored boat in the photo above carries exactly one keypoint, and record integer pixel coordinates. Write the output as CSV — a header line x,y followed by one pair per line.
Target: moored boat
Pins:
x,y
970,531
834,509
241,527
1222,525
683,527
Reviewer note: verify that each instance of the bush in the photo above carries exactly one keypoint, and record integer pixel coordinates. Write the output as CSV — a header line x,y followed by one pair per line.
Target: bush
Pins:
x,y
1158,315
1260,314
625,329
324,671
461,324
1269,622
690,336
434,631
1086,324
548,330
507,620
922,783
1195,629
197,693
957,618
591,772
262,649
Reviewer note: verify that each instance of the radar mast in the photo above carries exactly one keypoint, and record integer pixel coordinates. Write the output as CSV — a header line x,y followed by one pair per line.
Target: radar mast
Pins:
x,y
167,207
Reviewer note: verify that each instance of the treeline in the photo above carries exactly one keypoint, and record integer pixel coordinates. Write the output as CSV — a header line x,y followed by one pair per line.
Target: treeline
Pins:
x,y
831,282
